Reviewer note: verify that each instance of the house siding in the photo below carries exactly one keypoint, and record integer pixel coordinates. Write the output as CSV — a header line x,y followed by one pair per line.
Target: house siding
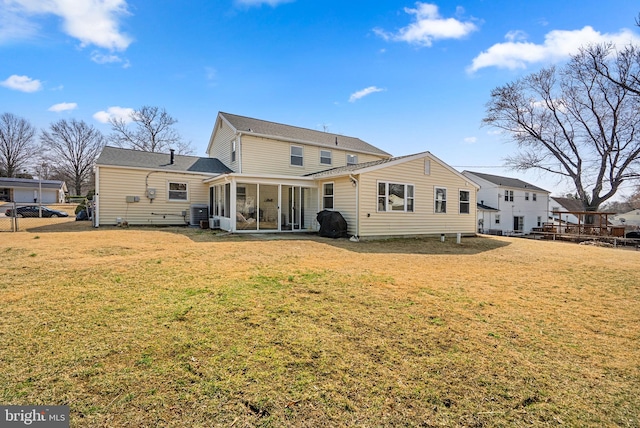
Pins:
x,y
267,156
221,146
344,200
117,183
423,220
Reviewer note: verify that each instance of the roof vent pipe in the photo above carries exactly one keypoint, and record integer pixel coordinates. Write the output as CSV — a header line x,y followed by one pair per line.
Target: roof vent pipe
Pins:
x,y
172,151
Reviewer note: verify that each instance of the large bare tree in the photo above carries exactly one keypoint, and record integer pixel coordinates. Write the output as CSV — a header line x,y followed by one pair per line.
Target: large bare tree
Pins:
x,y
17,144
72,148
574,122
150,129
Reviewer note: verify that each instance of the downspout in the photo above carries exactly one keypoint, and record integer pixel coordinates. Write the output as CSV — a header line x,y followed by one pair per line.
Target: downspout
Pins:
x,y
355,181
239,152
96,198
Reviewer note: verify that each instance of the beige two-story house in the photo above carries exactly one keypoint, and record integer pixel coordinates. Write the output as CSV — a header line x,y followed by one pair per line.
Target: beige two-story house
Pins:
x,y
261,176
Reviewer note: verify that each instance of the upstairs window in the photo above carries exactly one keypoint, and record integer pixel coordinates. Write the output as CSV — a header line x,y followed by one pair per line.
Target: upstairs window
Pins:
x,y
325,157
526,196
233,151
352,159
296,156
535,197
178,191
441,200
508,195
464,202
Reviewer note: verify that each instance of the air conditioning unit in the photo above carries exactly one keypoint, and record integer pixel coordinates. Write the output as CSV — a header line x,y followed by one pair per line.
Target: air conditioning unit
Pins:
x,y
198,213
215,223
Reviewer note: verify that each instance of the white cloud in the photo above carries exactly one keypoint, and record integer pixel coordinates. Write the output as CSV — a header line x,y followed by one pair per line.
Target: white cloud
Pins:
x,y
63,107
22,83
363,93
517,53
428,26
122,113
100,58
272,3
471,140
93,22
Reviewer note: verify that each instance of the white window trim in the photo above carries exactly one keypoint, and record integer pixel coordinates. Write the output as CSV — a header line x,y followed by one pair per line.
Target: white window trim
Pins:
x,y
386,195
169,199
356,160
234,150
446,199
467,202
330,157
291,155
333,196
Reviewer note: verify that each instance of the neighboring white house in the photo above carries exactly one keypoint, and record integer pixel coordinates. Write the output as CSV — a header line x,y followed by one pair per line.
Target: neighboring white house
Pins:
x,y
26,190
519,206
631,219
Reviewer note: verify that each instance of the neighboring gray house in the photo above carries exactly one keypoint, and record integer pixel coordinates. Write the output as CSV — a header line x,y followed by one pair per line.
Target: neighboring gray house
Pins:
x,y
564,205
512,205
25,190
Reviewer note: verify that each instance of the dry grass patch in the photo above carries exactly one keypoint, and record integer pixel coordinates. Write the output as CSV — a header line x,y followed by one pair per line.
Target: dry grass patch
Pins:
x,y
158,328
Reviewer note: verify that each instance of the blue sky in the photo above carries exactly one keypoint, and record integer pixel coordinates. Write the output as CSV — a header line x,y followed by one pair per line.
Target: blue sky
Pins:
x,y
404,76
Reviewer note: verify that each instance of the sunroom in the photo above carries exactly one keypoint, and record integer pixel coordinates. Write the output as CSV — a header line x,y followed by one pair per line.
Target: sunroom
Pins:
x,y
244,203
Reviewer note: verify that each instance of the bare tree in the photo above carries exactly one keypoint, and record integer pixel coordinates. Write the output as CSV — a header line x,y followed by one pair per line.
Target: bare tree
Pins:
x,y
72,148
621,67
149,129
17,144
572,122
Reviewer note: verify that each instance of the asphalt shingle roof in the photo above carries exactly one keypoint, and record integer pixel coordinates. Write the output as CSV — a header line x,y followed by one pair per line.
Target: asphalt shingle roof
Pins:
x,y
569,204
355,167
507,181
116,156
263,127
29,183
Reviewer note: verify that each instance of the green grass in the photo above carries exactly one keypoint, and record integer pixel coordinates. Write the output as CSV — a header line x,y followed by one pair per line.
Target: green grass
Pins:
x,y
147,328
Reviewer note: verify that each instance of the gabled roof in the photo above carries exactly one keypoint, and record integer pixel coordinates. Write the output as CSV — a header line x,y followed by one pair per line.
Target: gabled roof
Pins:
x,y
115,156
341,170
513,183
28,183
263,128
483,207
365,167
569,204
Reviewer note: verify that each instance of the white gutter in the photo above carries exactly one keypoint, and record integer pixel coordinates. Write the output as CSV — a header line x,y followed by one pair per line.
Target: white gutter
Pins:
x,y
316,144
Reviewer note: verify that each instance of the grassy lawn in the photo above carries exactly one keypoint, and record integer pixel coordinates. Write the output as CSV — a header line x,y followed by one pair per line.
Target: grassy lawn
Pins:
x,y
183,328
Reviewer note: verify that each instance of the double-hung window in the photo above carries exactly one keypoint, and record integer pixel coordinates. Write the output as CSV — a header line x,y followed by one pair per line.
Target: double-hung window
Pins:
x,y
440,200
325,157
464,202
297,156
233,151
178,191
352,159
327,196
535,197
395,197
508,195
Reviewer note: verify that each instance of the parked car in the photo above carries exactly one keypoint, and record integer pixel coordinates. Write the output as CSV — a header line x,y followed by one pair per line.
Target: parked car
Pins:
x,y
34,211
634,234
